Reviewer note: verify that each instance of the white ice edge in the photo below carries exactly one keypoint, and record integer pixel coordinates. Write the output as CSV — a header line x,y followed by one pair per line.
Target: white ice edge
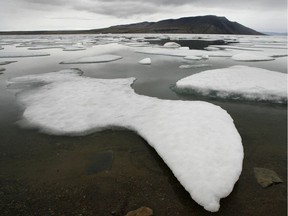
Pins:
x,y
240,82
93,59
197,140
22,54
183,53
250,56
145,61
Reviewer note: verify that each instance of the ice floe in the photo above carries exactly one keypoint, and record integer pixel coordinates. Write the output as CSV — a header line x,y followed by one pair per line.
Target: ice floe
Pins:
x,y
22,54
6,62
194,66
193,57
251,56
197,140
238,82
145,61
1,70
172,45
93,59
73,48
183,53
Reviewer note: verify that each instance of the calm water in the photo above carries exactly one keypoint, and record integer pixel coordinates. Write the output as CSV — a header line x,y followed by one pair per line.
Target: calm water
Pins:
x,y
115,171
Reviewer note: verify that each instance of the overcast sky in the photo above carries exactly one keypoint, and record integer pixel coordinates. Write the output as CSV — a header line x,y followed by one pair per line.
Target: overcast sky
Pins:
x,y
261,15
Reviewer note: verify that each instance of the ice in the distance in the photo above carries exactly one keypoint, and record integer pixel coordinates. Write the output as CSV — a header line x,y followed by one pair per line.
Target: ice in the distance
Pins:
x,y
145,61
251,56
238,82
197,140
93,59
22,54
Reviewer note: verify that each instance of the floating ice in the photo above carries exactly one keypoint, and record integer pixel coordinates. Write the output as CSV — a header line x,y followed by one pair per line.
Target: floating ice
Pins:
x,y
183,53
2,69
93,59
234,47
238,82
210,48
193,57
194,66
172,45
145,61
251,56
197,140
45,47
22,54
73,48
6,62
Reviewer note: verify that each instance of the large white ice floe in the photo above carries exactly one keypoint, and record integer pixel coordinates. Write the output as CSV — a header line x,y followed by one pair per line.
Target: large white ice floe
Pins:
x,y
197,140
251,56
93,59
238,82
22,54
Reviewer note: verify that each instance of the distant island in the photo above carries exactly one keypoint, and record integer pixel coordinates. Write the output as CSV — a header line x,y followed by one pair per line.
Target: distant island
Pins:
x,y
209,24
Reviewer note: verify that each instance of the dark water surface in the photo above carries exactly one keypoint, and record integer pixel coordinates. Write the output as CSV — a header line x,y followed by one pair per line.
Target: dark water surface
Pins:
x,y
115,171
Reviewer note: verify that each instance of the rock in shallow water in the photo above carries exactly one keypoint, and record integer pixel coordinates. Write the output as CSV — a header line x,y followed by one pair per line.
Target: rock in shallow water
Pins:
x,y
143,211
266,177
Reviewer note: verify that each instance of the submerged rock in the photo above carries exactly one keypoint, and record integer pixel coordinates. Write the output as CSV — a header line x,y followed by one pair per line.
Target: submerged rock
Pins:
x,y
143,211
266,177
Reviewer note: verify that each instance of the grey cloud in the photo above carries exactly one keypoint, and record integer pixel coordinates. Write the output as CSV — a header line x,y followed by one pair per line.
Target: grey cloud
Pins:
x,y
129,8
118,9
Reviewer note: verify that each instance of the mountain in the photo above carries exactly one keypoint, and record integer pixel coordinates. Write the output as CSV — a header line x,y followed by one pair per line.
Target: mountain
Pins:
x,y
192,25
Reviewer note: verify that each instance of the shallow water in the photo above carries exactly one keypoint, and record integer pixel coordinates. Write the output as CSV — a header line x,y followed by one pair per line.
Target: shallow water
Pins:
x,y
115,171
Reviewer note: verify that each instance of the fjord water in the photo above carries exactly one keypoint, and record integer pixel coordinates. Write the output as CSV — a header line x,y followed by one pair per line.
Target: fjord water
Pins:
x,y
115,171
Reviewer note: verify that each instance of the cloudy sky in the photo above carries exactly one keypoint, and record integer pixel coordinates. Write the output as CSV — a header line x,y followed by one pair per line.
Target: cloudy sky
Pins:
x,y
261,15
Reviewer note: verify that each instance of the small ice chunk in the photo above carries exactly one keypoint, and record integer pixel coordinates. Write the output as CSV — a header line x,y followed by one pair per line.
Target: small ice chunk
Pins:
x,y
22,54
145,61
249,56
44,47
73,48
238,82
210,48
192,57
1,70
172,45
93,59
197,140
194,66
184,48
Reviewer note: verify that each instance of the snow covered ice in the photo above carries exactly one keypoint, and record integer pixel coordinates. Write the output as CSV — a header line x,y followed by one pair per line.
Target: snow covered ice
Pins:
x,y
238,82
93,59
197,140
145,61
250,56
22,54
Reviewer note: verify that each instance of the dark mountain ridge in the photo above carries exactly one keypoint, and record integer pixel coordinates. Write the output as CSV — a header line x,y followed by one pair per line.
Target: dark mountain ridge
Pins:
x,y
192,25
209,24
